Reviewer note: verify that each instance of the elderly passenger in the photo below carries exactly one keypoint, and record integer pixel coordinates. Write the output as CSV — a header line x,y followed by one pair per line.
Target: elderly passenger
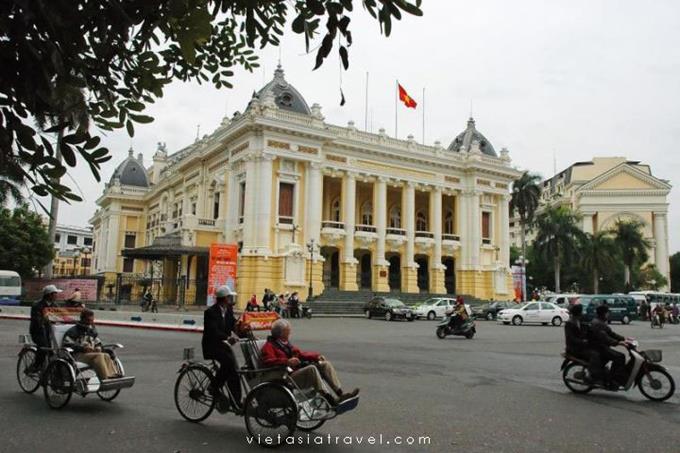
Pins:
x,y
310,369
87,346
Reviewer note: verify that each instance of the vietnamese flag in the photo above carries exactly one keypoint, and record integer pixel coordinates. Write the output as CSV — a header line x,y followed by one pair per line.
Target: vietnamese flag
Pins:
x,y
405,98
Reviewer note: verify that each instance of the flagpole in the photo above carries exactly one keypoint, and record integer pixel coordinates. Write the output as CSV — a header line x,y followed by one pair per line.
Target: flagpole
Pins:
x,y
396,97
423,115
366,106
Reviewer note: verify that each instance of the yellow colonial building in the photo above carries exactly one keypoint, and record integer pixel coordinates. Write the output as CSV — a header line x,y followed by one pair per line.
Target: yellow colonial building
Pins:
x,y
377,213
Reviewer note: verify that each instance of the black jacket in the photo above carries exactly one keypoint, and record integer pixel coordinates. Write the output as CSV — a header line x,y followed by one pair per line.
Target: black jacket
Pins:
x,y
216,329
576,336
81,335
602,336
39,328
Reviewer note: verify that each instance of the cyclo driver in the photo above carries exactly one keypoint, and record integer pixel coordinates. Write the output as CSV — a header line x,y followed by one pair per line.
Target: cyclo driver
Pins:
x,y
40,326
219,327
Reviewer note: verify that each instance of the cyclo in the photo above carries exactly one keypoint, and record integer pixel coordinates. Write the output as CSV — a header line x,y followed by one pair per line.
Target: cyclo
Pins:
x,y
61,375
275,406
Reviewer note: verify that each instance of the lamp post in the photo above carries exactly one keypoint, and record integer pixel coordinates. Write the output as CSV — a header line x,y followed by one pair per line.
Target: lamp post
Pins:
x,y
76,255
86,253
523,262
310,247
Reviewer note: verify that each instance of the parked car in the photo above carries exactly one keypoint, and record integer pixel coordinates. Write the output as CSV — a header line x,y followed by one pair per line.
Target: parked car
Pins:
x,y
388,308
534,313
561,300
434,307
490,311
622,308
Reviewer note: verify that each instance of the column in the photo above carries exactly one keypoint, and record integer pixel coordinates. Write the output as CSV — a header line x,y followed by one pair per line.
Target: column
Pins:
x,y
112,242
314,199
475,229
200,196
380,265
250,207
263,217
348,280
462,217
588,222
436,267
504,239
661,250
231,220
409,271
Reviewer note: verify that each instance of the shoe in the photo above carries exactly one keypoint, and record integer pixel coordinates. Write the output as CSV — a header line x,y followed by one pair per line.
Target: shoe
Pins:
x,y
347,396
221,404
330,398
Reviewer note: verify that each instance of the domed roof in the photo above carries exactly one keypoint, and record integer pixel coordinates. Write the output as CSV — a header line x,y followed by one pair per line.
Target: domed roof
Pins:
x,y
464,140
285,95
131,172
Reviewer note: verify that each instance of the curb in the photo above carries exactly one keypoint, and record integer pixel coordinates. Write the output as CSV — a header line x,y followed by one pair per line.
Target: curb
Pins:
x,y
103,322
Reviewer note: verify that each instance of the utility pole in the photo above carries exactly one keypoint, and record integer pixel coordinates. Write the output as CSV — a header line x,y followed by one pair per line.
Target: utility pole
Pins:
x,y
54,211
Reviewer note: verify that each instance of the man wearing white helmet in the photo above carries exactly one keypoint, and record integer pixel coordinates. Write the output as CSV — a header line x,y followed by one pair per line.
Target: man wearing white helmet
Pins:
x,y
219,325
40,327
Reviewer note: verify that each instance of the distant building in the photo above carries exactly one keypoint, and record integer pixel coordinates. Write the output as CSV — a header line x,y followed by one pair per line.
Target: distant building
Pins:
x,y
73,247
607,189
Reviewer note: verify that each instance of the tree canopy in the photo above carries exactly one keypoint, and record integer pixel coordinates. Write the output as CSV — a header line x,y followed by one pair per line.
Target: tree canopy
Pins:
x,y
25,245
80,67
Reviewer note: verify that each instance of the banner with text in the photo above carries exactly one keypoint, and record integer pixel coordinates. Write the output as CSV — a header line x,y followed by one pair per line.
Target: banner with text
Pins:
x,y
222,268
86,286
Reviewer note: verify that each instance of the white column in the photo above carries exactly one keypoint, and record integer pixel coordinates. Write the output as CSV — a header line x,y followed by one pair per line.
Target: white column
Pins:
x,y
588,222
463,219
265,178
314,198
504,233
475,229
349,209
408,214
661,251
201,193
231,220
112,242
436,227
250,206
380,215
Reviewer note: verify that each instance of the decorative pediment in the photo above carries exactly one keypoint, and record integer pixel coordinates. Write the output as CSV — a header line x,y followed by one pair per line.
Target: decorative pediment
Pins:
x,y
625,177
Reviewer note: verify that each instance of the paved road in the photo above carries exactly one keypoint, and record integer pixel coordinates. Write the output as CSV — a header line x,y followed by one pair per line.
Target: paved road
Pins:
x,y
499,392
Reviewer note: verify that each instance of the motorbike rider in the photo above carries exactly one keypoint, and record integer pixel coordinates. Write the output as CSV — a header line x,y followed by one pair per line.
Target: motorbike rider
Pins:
x,y
577,345
602,338
459,315
660,312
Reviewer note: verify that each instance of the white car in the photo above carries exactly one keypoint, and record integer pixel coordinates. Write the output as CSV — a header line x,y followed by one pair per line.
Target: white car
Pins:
x,y
435,307
534,313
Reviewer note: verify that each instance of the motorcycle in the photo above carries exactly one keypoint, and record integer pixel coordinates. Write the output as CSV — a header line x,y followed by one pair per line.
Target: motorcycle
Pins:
x,y
642,369
467,329
657,321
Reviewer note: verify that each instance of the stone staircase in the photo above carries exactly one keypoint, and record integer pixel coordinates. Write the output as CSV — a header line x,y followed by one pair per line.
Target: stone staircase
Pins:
x,y
336,302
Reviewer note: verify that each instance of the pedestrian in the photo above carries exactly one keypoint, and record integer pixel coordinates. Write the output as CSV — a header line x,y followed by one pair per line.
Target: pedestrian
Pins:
x,y
283,306
294,305
252,304
643,310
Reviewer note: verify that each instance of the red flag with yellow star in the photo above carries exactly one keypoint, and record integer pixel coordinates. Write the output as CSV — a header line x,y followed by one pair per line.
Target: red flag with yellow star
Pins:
x,y
405,98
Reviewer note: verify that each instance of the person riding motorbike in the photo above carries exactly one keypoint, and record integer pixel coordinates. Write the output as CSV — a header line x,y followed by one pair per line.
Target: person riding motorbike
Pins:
x,y
459,315
660,312
577,345
602,338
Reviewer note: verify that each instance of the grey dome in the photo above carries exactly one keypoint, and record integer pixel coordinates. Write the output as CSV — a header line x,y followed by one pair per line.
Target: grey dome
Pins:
x,y
131,172
470,134
285,95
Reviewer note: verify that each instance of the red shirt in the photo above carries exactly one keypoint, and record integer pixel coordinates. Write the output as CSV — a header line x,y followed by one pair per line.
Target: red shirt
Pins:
x,y
274,354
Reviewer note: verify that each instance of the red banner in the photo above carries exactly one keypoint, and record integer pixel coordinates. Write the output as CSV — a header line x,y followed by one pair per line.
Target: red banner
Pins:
x,y
222,268
259,320
87,287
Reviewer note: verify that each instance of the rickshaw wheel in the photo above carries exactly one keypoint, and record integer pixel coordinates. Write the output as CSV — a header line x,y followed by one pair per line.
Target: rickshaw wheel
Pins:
x,y
59,384
29,383
271,412
192,394
108,395
316,404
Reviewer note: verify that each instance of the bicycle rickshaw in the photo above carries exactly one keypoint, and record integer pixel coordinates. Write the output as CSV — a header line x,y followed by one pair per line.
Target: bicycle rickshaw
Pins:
x,y
274,405
61,374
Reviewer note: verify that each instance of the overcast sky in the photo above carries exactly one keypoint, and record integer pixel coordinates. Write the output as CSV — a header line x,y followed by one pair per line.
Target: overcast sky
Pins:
x,y
570,79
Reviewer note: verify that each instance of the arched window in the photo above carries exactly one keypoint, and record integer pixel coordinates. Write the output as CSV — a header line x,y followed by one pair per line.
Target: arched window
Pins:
x,y
335,210
448,222
367,213
421,221
395,217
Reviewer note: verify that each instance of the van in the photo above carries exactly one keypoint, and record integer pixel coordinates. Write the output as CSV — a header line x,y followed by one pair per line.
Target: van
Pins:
x,y
622,308
10,288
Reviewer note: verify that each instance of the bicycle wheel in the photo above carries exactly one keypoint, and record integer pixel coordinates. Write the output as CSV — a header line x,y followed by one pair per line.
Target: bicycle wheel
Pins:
x,y
192,394
574,378
29,380
656,385
311,413
59,384
271,413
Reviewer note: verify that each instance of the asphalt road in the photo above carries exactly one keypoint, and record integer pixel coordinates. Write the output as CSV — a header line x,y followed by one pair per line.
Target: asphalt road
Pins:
x,y
501,391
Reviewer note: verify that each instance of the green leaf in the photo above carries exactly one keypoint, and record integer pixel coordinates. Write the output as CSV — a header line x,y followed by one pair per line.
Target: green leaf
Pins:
x,y
141,118
68,154
130,128
344,57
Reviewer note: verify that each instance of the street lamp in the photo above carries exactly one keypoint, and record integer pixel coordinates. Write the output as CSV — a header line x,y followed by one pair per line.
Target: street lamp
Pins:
x,y
523,262
86,252
76,255
310,248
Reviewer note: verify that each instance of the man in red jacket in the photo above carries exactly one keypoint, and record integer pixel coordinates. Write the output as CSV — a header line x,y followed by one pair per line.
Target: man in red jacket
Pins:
x,y
310,369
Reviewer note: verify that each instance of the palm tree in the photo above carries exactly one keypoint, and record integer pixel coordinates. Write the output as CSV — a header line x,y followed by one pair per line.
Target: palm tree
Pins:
x,y
526,193
598,253
631,243
557,237
11,181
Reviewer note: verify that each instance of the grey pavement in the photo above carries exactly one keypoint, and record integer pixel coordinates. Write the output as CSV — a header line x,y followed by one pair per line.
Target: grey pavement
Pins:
x,y
501,391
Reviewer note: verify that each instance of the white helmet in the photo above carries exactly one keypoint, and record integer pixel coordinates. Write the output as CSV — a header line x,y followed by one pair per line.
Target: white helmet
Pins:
x,y
49,289
224,291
